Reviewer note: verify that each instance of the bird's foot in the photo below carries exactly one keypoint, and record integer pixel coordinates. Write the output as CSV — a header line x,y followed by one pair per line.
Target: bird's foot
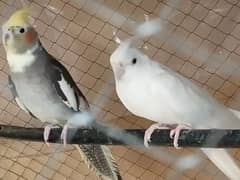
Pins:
x,y
175,133
150,130
46,133
64,134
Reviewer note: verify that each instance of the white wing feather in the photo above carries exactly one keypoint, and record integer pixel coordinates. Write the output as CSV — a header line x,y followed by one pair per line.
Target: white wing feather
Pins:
x,y
68,91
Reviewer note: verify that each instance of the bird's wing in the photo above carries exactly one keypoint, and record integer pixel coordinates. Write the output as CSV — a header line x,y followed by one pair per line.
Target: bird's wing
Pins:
x,y
13,90
193,103
66,87
177,90
181,96
98,158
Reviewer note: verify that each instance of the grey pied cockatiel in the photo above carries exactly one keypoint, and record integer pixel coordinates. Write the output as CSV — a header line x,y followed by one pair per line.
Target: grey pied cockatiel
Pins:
x,y
42,87
151,90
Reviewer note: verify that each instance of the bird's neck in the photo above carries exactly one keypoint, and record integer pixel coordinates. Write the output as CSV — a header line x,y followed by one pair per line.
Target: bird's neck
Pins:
x,y
18,62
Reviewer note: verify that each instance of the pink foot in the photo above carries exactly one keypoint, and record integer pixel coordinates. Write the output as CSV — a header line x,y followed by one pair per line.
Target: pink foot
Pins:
x,y
150,130
175,133
64,134
46,133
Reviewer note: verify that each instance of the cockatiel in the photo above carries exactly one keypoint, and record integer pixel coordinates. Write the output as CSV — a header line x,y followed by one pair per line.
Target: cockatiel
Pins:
x,y
42,87
153,91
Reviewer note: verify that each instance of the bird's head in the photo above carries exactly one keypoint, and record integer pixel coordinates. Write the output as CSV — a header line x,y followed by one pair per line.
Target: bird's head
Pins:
x,y
126,57
18,35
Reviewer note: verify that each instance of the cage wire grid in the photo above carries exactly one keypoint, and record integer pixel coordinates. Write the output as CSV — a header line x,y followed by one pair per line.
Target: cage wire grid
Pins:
x,y
201,42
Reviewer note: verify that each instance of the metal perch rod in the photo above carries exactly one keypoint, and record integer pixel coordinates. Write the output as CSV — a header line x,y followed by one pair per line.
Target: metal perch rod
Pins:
x,y
188,138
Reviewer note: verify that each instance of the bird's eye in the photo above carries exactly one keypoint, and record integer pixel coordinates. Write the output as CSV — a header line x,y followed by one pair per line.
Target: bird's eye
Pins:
x,y
134,60
22,30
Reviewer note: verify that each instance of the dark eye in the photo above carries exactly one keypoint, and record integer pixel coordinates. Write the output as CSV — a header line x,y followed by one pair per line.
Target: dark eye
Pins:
x,y
22,30
134,60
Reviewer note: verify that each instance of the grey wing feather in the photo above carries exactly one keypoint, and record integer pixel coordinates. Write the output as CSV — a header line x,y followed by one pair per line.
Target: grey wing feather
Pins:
x,y
13,90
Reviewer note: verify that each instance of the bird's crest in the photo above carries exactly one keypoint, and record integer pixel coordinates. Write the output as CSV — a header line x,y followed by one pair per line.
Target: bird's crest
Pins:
x,y
19,18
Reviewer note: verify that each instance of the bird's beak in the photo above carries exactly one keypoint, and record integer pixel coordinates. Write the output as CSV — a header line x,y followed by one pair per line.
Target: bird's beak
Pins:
x,y
6,34
119,71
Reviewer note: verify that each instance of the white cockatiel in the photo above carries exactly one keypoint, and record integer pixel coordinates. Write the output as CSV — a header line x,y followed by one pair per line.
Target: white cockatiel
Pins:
x,y
153,91
44,88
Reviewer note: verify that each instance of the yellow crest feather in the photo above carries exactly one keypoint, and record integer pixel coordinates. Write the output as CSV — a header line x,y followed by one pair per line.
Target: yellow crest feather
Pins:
x,y
19,18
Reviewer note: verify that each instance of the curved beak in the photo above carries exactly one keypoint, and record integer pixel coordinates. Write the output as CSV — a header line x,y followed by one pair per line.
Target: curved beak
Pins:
x,y
119,71
6,34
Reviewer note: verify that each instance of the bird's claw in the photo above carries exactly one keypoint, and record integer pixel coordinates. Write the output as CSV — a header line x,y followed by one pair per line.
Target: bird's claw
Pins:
x,y
64,134
150,130
175,133
47,130
147,138
46,133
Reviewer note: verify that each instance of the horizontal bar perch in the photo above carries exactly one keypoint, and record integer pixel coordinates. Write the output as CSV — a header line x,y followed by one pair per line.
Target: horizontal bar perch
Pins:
x,y
188,138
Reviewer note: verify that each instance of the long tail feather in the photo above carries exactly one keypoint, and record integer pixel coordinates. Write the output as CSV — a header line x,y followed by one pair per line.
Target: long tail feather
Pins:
x,y
235,112
224,162
100,160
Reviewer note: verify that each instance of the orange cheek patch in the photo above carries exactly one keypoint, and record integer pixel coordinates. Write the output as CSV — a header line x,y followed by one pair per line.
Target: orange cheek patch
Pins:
x,y
30,37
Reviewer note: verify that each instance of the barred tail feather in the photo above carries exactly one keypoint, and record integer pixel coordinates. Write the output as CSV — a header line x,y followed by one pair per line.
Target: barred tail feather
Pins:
x,y
100,160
